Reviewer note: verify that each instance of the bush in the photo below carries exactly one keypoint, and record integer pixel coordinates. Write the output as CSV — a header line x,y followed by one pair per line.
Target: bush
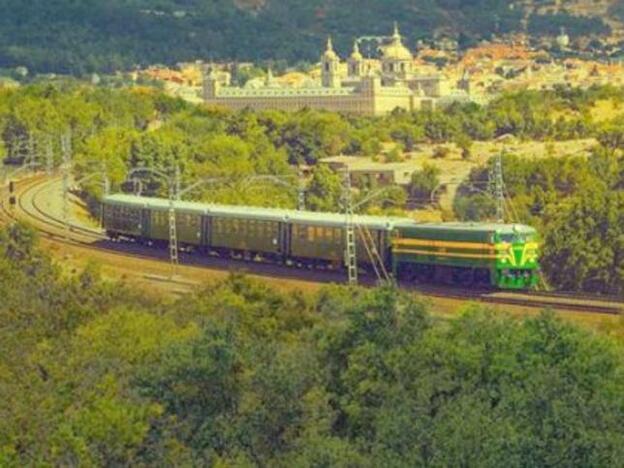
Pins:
x,y
424,182
441,152
395,155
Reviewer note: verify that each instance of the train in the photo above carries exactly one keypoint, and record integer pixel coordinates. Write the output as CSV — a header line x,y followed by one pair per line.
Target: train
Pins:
x,y
498,256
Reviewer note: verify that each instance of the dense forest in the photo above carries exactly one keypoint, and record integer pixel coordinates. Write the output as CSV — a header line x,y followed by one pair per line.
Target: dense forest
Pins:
x,y
576,202
99,374
65,36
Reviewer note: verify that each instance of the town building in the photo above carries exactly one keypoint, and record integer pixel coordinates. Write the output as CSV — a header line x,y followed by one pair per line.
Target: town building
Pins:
x,y
368,87
364,172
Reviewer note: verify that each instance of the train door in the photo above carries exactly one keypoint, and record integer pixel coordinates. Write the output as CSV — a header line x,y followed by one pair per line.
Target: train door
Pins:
x,y
145,223
285,234
206,230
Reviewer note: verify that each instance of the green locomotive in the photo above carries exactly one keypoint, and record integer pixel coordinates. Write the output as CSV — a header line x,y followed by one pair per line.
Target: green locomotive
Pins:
x,y
496,255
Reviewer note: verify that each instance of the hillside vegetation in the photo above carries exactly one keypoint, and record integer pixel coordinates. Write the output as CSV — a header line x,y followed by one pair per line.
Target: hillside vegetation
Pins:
x,y
239,375
106,35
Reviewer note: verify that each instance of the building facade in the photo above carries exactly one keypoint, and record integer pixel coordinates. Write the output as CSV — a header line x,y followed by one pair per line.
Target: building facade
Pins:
x,y
365,90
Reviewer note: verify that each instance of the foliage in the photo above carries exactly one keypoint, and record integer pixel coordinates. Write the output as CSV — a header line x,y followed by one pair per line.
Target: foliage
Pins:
x,y
239,374
107,36
325,190
424,182
586,237
465,144
441,152
575,25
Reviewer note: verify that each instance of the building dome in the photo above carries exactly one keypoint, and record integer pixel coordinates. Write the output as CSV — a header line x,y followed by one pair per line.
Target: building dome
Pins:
x,y
563,40
396,50
356,55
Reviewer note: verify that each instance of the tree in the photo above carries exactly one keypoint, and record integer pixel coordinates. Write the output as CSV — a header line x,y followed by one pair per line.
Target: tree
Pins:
x,y
465,145
109,150
325,190
476,207
584,246
424,182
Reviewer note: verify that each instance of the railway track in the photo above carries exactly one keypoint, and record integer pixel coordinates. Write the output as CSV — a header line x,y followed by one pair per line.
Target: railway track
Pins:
x,y
52,227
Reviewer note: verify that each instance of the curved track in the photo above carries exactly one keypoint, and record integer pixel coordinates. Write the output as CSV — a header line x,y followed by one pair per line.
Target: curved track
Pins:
x,y
30,201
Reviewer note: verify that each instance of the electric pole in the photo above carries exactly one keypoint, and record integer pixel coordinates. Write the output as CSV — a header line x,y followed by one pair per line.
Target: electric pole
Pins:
x,y
66,149
174,195
301,192
497,186
350,248
49,157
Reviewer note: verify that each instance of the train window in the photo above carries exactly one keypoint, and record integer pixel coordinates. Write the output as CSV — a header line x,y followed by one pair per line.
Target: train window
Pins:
x,y
513,237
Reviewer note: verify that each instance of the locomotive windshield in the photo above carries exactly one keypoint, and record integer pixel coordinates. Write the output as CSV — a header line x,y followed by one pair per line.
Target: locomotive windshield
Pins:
x,y
515,237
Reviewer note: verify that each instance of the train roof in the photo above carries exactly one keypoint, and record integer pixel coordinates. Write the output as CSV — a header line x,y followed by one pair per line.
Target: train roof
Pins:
x,y
253,212
470,226
315,218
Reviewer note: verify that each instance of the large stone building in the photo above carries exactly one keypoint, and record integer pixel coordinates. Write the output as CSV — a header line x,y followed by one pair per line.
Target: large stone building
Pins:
x,y
368,87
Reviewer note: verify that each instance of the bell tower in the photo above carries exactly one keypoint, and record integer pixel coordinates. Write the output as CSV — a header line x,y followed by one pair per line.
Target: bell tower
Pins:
x,y
211,84
330,64
356,62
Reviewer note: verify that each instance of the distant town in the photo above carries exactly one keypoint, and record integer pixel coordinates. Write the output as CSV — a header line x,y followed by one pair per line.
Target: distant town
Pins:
x,y
382,74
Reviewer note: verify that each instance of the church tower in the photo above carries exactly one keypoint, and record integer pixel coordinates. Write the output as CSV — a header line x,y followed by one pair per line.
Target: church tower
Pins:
x,y
356,62
330,64
397,60
211,84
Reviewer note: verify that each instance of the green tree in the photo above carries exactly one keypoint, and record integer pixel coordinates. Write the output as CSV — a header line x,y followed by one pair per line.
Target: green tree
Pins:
x,y
465,145
424,182
324,190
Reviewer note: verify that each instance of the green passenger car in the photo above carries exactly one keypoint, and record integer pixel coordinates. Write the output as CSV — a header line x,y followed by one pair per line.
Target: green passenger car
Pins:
x,y
321,236
249,235
500,255
122,218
